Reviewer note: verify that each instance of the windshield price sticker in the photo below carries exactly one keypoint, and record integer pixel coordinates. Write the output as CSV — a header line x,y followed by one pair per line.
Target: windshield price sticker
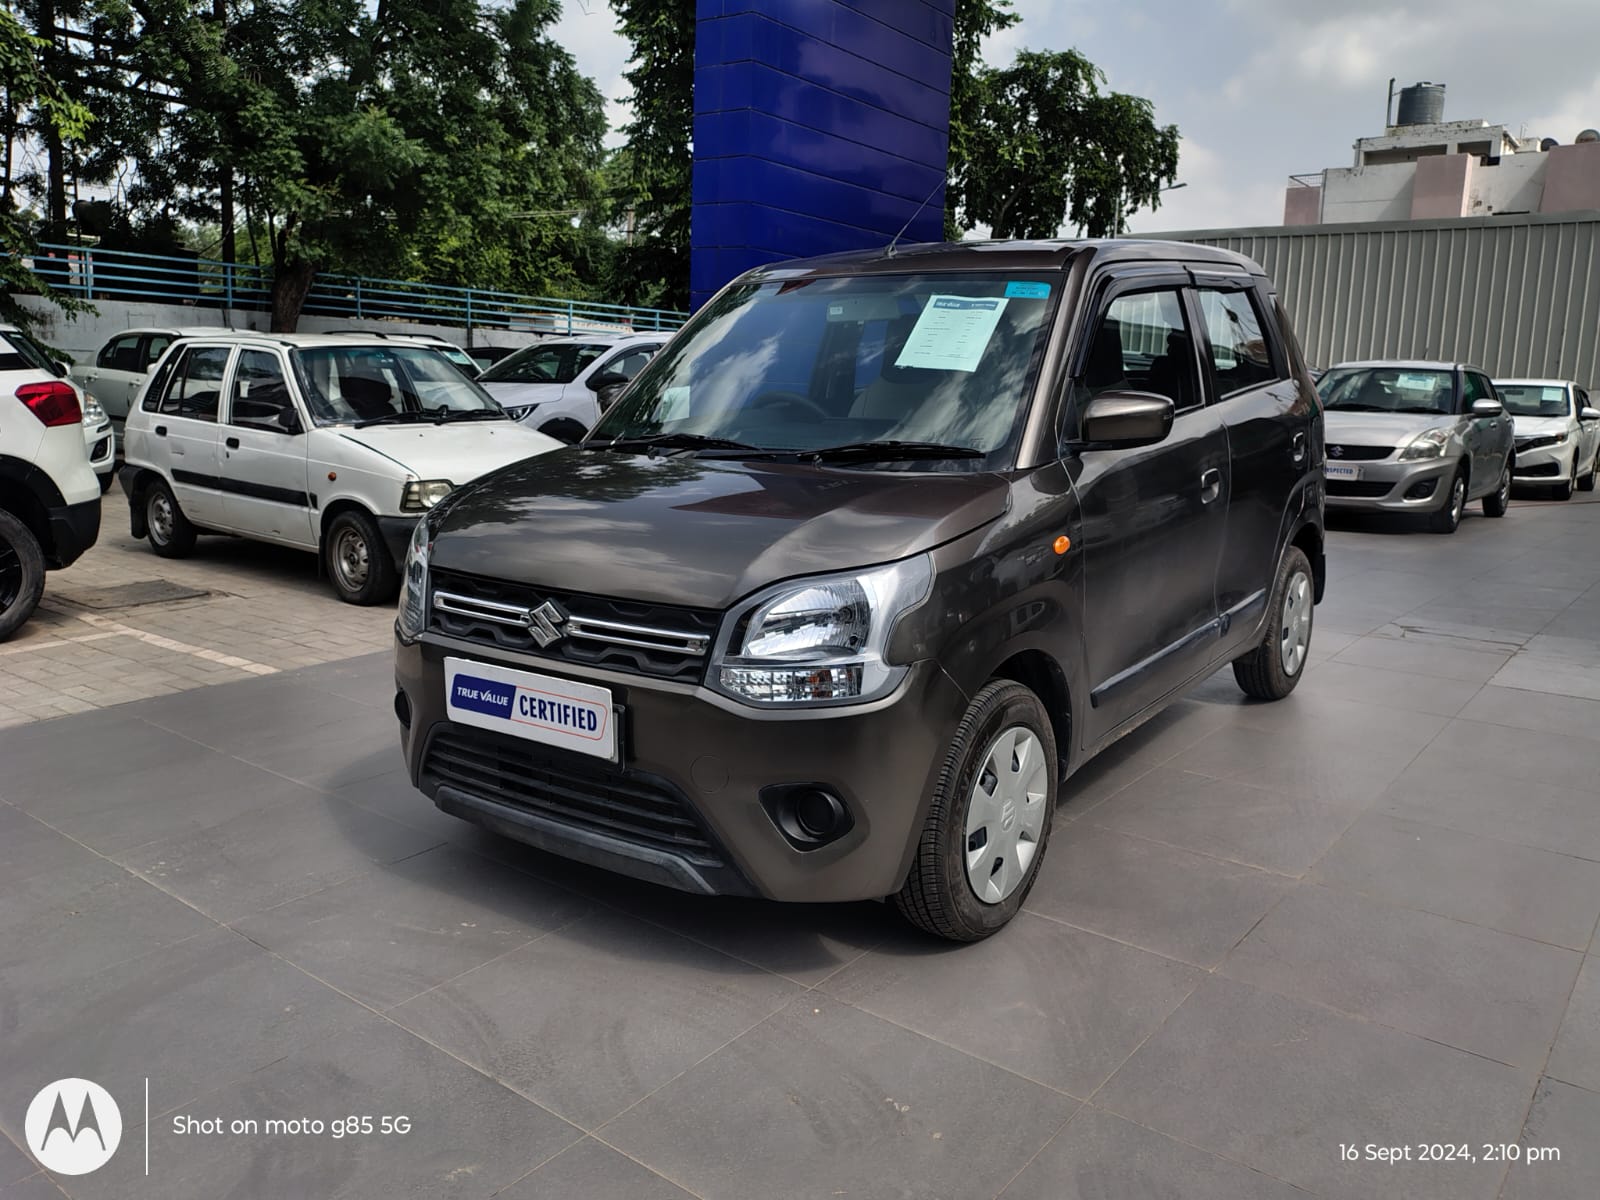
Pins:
x,y
1416,383
952,333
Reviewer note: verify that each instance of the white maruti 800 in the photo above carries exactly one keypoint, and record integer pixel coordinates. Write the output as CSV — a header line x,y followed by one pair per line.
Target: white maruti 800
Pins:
x,y
330,443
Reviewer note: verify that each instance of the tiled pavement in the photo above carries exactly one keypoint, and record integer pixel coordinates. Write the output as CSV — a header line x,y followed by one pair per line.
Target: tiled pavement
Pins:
x,y
1363,916
255,610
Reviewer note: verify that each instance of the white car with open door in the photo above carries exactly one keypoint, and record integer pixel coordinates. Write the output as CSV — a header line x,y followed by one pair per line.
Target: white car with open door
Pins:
x,y
333,444
554,386
1557,431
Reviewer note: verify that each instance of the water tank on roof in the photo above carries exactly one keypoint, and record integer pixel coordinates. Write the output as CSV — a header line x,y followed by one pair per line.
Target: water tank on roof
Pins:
x,y
1588,135
1421,104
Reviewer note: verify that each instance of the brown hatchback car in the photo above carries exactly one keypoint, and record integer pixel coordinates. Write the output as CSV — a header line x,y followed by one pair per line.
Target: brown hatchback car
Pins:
x,y
876,552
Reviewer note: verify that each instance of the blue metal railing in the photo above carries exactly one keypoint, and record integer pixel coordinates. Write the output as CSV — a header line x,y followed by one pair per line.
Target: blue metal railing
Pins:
x,y
96,274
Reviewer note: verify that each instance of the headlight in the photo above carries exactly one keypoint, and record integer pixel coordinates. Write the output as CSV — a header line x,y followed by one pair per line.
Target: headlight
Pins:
x,y
422,494
517,411
1430,443
413,616
1539,441
819,641
93,412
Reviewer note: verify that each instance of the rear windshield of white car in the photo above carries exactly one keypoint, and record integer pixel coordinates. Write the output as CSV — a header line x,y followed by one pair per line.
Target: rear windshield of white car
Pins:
x,y
548,362
19,353
1387,390
1529,400
373,383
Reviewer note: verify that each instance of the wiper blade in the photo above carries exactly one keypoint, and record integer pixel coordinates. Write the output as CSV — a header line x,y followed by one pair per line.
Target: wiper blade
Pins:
x,y
671,441
1432,412
888,451
1355,408
406,417
477,414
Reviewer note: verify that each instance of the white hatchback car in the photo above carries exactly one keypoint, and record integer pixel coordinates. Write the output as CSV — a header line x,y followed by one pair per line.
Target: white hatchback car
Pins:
x,y
122,365
554,385
1558,433
334,444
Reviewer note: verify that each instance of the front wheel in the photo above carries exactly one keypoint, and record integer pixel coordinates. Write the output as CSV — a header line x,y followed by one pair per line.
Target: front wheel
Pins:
x,y
1273,668
1497,501
168,530
1565,488
21,574
989,823
1448,518
1586,484
358,560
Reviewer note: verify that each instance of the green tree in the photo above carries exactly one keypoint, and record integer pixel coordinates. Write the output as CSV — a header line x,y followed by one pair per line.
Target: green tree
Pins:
x,y
651,179
407,138
975,21
37,104
1050,148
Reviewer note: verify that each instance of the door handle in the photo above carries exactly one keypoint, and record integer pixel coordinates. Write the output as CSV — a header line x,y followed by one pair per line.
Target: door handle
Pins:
x,y
1210,485
161,431
231,443
1297,447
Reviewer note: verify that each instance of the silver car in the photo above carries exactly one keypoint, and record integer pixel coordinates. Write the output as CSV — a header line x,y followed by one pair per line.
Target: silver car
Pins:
x,y
1416,437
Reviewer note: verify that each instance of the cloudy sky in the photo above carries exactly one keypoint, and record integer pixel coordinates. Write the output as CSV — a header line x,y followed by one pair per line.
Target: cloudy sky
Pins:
x,y
1262,89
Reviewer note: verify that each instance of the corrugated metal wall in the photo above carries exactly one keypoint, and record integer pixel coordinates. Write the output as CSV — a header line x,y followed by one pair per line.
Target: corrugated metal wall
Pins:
x,y
1515,295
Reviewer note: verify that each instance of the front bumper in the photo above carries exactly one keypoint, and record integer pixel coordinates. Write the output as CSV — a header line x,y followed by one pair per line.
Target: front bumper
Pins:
x,y
1547,465
103,450
1393,486
684,742
73,529
397,533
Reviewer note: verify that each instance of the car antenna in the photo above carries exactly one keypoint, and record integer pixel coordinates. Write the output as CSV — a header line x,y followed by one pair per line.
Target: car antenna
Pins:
x,y
889,250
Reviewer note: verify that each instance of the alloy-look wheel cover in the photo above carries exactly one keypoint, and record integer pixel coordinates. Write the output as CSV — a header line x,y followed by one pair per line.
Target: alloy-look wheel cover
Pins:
x,y
159,517
1005,815
1294,625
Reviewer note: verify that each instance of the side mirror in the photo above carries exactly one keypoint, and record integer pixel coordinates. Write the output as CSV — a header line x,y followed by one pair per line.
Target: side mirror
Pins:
x,y
1487,408
1589,414
1120,420
606,379
289,420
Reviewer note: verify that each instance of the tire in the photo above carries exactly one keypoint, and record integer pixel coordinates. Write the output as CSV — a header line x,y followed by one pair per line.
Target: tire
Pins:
x,y
106,481
1273,669
1448,518
358,560
1497,501
167,529
939,895
1586,484
21,574
1565,487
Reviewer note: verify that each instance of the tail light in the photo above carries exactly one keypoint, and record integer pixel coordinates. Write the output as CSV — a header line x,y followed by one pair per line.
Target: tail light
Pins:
x,y
54,403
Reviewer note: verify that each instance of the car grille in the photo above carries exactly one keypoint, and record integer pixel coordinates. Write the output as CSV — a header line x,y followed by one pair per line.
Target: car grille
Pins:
x,y
587,793
1538,469
1366,489
1344,452
662,641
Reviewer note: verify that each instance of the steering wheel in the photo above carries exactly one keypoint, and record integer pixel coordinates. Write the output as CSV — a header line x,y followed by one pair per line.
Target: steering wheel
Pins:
x,y
783,399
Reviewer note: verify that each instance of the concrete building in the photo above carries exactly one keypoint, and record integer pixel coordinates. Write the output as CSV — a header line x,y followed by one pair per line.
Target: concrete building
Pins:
x,y
1432,169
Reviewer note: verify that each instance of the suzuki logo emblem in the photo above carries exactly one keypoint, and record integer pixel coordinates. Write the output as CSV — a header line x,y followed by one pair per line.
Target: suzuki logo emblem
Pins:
x,y
1335,451
544,622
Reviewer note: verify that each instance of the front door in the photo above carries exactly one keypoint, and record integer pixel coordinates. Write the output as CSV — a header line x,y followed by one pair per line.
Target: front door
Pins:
x,y
1153,517
1269,430
184,439
1485,435
264,454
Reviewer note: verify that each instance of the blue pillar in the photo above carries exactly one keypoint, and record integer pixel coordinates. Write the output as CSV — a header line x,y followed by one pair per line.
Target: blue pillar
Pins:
x,y
819,126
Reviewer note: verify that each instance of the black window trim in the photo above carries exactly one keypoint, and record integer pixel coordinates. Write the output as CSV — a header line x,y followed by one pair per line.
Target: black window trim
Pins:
x,y
1269,331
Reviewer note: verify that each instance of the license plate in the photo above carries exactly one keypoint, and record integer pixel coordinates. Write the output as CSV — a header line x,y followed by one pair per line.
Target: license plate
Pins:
x,y
1342,471
556,712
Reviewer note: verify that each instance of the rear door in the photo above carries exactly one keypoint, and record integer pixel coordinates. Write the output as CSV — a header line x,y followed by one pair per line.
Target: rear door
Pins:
x,y
184,433
1269,430
116,375
264,453
1154,517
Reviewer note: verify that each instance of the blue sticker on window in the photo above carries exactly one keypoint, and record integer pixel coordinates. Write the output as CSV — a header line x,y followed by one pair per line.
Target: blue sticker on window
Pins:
x,y
1024,289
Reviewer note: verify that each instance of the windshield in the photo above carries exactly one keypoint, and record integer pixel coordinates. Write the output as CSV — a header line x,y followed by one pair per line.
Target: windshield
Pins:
x,y
365,383
1533,400
1387,389
815,363
547,362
